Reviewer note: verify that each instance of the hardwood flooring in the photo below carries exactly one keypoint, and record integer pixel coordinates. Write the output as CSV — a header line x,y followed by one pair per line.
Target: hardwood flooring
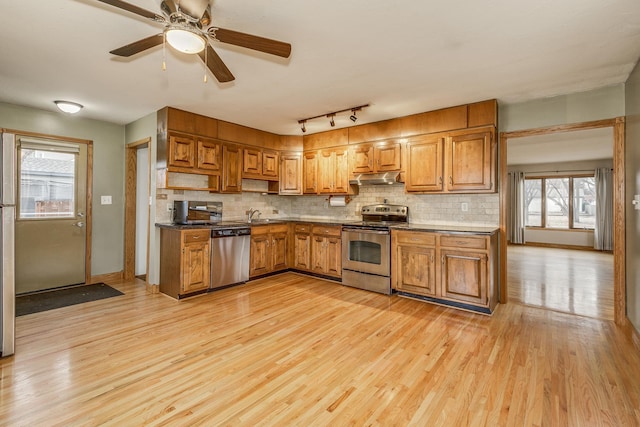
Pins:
x,y
293,350
566,280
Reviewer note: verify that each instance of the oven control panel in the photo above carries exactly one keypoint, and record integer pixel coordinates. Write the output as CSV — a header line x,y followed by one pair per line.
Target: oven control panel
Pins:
x,y
384,210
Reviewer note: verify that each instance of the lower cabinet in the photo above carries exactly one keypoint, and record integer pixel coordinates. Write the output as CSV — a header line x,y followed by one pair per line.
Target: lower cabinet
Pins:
x,y
184,261
326,250
302,247
269,245
452,269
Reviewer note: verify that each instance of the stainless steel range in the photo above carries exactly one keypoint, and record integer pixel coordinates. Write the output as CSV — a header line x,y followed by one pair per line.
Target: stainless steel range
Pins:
x,y
366,247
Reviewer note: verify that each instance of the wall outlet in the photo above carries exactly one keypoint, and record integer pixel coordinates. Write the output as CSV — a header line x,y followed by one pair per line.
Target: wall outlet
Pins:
x,y
464,206
105,200
169,208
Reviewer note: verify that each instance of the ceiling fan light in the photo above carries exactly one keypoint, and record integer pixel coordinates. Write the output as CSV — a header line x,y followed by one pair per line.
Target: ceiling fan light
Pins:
x,y
68,106
185,41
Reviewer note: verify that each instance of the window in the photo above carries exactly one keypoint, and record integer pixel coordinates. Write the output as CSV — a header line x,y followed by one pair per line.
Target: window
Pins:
x,y
560,202
47,184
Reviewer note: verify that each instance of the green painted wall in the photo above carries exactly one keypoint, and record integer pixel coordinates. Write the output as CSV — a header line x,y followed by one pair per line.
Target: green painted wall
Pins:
x,y
107,248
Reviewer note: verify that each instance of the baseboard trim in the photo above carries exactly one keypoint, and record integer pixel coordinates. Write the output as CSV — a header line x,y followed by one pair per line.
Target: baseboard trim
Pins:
x,y
108,278
558,246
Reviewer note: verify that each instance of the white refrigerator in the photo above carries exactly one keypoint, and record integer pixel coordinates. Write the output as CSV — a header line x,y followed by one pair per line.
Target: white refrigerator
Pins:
x,y
7,247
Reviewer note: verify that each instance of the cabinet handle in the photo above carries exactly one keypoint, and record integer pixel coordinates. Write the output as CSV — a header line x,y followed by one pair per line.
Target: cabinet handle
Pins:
x,y
196,237
442,259
267,243
450,180
440,180
431,258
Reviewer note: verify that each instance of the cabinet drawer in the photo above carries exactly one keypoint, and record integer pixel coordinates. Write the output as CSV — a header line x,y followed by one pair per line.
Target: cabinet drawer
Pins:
x,y
463,242
279,228
260,229
416,238
196,236
302,228
327,230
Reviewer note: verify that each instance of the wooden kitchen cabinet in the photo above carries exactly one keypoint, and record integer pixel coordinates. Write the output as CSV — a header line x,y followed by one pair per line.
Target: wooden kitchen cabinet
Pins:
x,y
326,250
310,172
209,157
260,164
268,250
452,269
461,161
302,247
333,173
181,150
185,262
232,169
414,261
371,158
291,177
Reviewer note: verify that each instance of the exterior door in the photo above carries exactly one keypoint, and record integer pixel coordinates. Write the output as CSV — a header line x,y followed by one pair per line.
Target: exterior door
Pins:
x,y
51,216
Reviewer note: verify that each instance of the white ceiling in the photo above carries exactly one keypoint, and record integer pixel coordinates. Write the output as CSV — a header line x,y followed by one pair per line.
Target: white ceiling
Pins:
x,y
591,144
402,57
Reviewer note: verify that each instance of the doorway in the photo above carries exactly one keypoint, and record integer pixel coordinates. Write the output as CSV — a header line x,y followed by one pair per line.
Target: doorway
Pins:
x,y
136,239
617,125
52,220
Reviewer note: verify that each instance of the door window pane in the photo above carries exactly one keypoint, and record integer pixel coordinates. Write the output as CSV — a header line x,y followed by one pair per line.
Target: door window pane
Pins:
x,y
557,202
584,202
47,184
533,202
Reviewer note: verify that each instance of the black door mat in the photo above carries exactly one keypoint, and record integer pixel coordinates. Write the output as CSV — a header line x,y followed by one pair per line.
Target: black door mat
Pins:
x,y
49,300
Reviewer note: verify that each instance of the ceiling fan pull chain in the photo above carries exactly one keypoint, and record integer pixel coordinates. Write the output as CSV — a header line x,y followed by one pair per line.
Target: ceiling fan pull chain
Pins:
x,y
164,51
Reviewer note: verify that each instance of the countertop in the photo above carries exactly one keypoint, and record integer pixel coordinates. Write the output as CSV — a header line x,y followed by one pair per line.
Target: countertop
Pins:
x,y
443,228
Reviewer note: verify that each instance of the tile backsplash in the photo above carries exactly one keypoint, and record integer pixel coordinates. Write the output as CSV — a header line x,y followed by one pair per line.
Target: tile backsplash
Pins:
x,y
481,209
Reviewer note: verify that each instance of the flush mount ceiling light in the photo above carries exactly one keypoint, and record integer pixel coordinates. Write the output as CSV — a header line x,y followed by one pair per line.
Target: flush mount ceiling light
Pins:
x,y
332,115
185,40
68,106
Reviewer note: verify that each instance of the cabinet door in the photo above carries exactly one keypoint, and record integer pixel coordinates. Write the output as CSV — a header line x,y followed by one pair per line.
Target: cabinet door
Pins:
x,y
310,170
260,250
252,163
334,256
387,157
469,162
182,151
464,276
415,269
209,158
340,171
302,251
195,267
326,173
232,169
424,169
361,159
291,174
270,163
279,251
318,254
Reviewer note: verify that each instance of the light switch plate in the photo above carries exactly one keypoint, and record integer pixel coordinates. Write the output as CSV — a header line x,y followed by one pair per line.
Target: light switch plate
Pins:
x,y
105,200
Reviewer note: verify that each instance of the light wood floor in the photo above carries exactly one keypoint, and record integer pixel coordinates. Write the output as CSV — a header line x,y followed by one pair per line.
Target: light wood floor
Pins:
x,y
570,281
293,350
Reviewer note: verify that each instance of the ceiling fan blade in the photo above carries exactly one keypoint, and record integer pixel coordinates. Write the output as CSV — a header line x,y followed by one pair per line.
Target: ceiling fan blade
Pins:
x,y
139,46
133,9
193,8
217,67
249,41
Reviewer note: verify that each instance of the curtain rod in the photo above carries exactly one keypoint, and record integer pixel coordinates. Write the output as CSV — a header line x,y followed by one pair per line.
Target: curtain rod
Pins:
x,y
562,171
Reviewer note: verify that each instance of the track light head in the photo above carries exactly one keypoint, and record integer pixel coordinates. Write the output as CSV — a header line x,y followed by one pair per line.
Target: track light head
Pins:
x,y
302,126
331,121
353,115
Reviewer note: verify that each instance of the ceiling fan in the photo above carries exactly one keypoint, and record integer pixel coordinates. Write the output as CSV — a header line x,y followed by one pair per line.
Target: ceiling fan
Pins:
x,y
187,28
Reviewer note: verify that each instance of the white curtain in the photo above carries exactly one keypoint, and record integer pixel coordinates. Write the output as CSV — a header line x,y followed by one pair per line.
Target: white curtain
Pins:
x,y
603,235
516,217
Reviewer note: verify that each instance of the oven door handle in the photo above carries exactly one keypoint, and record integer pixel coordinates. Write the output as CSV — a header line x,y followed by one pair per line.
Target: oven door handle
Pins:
x,y
363,231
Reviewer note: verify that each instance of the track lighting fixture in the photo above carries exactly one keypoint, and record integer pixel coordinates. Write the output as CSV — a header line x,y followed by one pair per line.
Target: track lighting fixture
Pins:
x,y
331,116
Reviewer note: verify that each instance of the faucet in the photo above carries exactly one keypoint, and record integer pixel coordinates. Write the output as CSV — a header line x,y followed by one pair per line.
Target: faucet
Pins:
x,y
251,213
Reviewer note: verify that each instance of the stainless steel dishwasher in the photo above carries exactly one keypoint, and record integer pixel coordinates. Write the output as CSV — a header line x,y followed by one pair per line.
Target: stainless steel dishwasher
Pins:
x,y
230,255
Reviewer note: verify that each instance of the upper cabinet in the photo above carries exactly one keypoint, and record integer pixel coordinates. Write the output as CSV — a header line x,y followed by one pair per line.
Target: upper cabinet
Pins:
x,y
232,169
260,164
290,174
461,161
333,167
310,172
371,158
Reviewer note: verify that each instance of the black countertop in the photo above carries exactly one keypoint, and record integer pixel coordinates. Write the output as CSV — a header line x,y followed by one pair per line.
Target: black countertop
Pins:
x,y
453,228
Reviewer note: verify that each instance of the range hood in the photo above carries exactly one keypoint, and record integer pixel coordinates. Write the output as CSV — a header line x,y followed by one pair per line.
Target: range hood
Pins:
x,y
376,178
